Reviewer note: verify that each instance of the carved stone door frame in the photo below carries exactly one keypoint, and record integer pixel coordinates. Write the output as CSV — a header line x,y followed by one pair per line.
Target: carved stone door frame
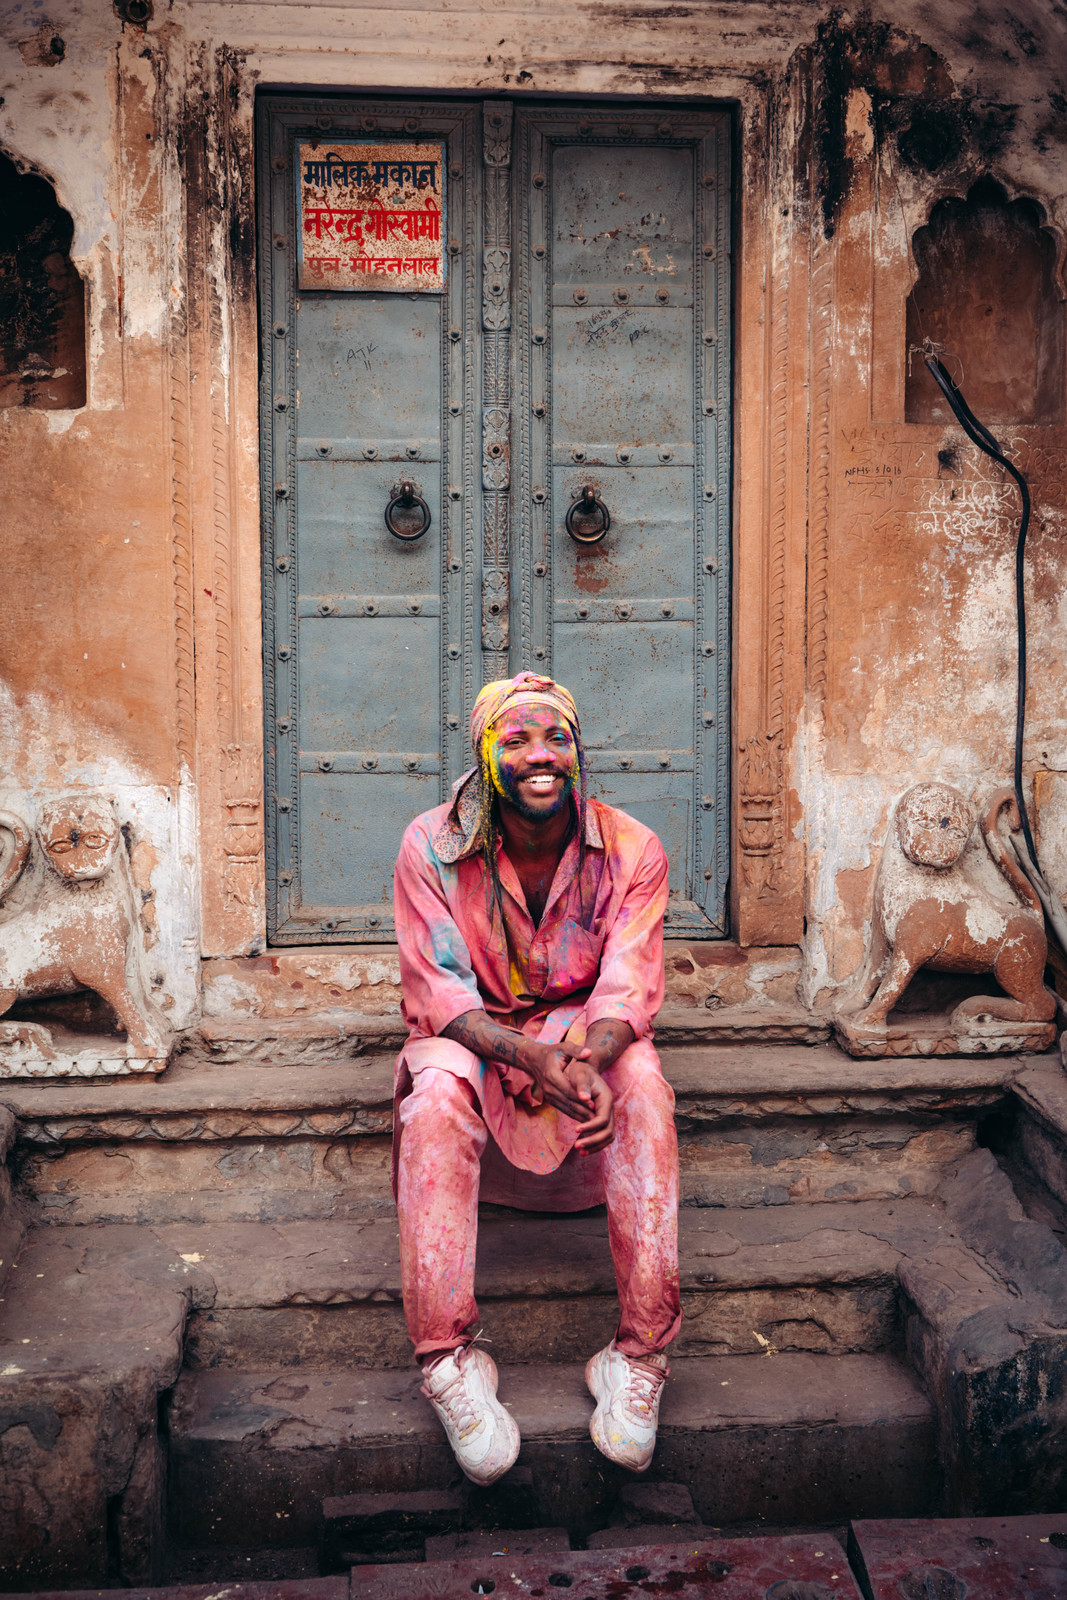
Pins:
x,y
784,311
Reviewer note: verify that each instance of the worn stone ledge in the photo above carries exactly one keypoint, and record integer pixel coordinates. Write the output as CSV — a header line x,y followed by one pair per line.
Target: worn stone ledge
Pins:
x,y
262,1041
680,1024
302,981
318,1263
233,1038
202,1104
353,1095
784,1081
1042,1089
245,1445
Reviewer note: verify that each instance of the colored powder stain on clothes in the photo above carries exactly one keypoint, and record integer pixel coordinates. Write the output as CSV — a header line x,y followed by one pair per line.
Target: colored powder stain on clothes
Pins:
x,y
612,967
472,1128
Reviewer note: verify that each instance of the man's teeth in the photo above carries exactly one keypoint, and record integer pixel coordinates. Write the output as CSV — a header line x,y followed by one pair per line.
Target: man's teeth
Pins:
x,y
543,782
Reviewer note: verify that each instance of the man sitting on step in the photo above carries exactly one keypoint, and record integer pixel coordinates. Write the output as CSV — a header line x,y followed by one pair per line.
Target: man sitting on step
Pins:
x,y
530,923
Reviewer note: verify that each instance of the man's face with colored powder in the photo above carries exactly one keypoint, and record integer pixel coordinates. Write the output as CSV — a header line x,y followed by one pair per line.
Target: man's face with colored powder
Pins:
x,y
533,761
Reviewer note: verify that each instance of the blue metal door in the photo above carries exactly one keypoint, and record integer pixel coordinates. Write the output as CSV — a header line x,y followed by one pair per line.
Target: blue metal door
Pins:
x,y
557,406
622,563
367,407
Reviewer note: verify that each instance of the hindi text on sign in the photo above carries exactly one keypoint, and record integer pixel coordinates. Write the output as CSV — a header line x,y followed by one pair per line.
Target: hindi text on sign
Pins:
x,y
378,210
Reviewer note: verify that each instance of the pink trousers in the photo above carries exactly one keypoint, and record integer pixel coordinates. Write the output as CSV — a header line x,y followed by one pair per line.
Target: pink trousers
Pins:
x,y
442,1140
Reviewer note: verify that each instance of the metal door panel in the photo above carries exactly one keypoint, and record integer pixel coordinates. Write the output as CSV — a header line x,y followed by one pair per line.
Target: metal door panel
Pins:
x,y
371,646
369,356
623,369
623,372
350,824
615,228
345,665
343,535
621,211
662,805
649,551
633,682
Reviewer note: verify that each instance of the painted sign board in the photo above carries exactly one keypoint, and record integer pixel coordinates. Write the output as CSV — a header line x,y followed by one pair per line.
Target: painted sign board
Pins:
x,y
371,216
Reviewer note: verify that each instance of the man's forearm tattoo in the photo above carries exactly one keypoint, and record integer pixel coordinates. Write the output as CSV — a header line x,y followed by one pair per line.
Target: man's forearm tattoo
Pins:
x,y
608,1039
484,1037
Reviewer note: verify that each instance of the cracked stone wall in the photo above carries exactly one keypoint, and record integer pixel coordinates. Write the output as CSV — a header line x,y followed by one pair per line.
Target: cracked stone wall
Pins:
x,y
874,588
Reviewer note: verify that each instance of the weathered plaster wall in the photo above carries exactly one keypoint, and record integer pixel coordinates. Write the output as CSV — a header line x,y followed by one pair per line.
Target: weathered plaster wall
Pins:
x,y
87,659
873,583
911,663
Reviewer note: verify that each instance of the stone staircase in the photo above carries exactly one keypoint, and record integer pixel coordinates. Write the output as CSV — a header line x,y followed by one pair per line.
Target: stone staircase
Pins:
x,y
202,1340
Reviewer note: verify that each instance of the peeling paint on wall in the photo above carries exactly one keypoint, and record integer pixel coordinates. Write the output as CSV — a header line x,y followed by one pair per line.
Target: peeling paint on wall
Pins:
x,y
132,539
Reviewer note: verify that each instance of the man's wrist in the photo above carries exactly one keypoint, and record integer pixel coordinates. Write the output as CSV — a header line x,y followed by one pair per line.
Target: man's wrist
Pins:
x,y
606,1040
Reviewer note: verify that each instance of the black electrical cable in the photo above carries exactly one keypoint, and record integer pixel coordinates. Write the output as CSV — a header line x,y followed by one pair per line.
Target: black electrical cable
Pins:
x,y
985,441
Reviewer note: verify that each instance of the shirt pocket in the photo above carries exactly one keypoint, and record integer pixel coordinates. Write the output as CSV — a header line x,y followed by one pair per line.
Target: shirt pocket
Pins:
x,y
575,960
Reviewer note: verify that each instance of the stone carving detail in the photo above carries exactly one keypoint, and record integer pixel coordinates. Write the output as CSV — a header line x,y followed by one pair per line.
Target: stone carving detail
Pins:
x,y
496,447
203,1127
496,290
495,597
940,904
69,921
496,388
496,146
242,835
761,812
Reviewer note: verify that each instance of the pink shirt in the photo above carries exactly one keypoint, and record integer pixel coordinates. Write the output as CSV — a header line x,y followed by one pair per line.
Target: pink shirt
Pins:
x,y
597,953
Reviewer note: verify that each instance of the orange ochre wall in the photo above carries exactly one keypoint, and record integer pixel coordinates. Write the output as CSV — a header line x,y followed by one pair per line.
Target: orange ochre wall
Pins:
x,y
874,611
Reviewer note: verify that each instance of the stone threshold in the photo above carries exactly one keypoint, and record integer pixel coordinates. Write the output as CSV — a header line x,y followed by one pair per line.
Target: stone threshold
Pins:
x,y
303,980
238,1037
352,1092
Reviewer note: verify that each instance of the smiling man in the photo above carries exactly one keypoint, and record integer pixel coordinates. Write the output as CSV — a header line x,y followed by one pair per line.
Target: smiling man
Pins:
x,y
530,923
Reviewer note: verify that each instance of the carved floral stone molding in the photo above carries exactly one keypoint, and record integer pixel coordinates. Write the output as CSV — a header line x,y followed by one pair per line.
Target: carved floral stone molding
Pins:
x,y
215,495
204,1128
760,815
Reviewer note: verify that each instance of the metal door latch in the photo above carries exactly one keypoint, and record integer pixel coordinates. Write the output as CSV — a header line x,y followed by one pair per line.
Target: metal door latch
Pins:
x,y
588,518
405,498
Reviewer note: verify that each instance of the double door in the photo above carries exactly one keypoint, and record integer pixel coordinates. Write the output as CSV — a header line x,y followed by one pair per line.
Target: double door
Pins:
x,y
513,454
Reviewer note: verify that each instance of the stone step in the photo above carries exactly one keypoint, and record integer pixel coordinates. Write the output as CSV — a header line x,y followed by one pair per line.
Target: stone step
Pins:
x,y
91,1329
761,1125
318,1294
300,980
93,1321
783,1438
233,1038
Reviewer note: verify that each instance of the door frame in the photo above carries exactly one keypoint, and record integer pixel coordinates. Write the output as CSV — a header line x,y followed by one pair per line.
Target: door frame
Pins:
x,y
493,601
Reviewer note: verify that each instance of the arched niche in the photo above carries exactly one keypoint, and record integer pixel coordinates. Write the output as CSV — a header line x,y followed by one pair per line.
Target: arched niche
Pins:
x,y
987,293
42,298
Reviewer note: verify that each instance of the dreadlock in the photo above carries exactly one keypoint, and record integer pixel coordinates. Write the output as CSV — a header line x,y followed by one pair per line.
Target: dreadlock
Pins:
x,y
487,828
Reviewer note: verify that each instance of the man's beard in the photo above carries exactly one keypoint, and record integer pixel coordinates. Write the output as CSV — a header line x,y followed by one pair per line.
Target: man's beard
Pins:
x,y
512,793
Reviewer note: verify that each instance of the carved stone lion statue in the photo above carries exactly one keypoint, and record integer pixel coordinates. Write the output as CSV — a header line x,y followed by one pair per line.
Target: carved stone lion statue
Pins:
x,y
69,921
937,905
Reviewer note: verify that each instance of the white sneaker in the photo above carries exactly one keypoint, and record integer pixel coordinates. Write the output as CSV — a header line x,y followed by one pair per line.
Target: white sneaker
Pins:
x,y
462,1390
627,1392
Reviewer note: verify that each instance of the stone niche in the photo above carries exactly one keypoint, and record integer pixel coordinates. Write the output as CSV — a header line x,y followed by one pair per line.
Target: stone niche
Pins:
x,y
989,298
42,298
